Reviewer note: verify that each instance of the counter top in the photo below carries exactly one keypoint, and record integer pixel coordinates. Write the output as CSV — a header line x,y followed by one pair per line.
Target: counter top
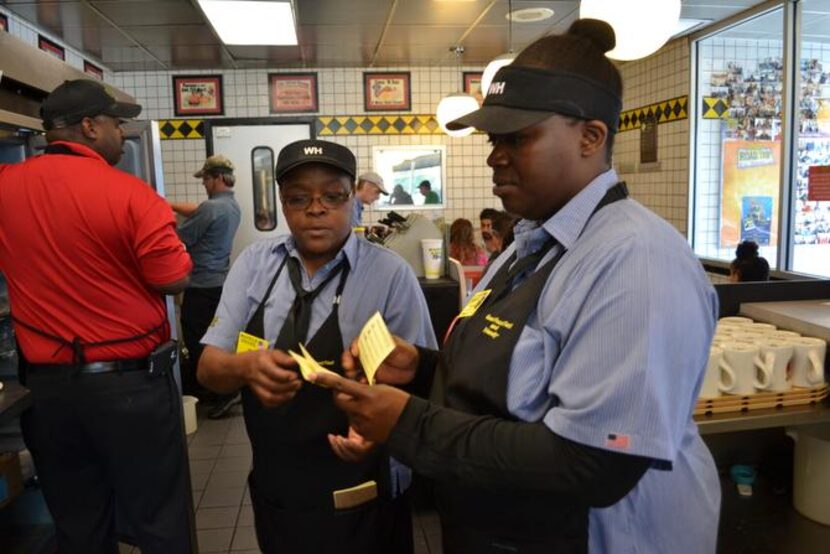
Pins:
x,y
808,317
789,416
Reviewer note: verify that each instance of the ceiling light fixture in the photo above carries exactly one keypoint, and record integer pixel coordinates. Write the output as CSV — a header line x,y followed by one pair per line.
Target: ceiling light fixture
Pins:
x,y
499,61
530,15
456,105
635,39
252,23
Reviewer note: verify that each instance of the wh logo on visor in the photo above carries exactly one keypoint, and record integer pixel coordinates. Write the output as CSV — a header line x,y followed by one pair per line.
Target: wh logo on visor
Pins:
x,y
313,151
496,88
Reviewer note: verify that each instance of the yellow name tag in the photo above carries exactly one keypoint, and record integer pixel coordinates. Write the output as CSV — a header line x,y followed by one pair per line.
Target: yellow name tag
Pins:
x,y
475,303
247,342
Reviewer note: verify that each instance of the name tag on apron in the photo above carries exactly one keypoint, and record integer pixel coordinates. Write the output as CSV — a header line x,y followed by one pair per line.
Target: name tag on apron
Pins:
x,y
355,496
475,303
247,342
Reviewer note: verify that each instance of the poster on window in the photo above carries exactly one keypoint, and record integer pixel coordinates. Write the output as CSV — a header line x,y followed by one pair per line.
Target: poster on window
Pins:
x,y
749,201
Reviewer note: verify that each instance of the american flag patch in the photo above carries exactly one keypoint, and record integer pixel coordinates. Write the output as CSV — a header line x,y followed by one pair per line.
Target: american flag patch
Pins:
x,y
618,441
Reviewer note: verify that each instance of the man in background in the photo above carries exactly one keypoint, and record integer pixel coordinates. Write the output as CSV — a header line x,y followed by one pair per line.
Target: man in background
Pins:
x,y
430,196
486,219
88,252
207,232
369,188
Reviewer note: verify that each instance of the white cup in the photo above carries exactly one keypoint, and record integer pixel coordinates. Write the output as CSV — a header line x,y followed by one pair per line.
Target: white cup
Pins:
x,y
735,320
765,328
745,362
719,377
749,336
433,252
776,355
808,361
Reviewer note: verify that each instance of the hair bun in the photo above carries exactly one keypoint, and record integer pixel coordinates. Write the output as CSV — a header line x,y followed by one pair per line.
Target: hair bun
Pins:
x,y
600,33
746,250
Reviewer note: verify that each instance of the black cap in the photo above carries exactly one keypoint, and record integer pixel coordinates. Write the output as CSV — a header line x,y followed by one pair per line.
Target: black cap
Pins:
x,y
521,96
74,100
315,151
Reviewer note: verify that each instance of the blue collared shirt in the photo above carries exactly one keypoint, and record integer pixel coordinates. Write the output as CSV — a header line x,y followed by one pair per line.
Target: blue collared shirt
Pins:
x,y
357,214
613,357
208,235
378,279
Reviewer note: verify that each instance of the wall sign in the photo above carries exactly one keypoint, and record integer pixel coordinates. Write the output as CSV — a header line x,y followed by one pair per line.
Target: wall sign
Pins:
x,y
198,95
292,92
51,47
93,70
387,91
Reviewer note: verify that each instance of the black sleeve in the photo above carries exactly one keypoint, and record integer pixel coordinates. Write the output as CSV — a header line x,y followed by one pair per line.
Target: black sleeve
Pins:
x,y
506,456
427,362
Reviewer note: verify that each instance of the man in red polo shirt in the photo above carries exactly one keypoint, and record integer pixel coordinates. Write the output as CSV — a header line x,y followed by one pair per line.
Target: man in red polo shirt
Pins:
x,y
88,252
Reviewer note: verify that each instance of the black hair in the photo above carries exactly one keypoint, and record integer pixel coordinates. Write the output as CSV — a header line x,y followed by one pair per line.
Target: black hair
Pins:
x,y
748,265
580,50
503,224
488,213
426,184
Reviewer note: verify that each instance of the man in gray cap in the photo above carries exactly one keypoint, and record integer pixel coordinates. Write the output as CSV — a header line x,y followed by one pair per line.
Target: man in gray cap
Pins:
x,y
208,235
369,188
310,288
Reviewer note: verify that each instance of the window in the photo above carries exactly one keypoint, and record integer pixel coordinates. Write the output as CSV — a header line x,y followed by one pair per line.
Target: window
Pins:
x,y
262,177
413,175
810,219
737,172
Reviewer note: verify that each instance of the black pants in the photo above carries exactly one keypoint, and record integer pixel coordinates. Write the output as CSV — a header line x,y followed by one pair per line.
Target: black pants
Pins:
x,y
378,527
198,307
104,440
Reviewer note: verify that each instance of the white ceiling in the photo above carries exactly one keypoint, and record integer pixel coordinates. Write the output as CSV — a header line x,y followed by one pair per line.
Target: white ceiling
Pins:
x,y
129,35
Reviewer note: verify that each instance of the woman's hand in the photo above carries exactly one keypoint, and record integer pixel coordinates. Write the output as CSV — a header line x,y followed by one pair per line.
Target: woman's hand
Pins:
x,y
397,369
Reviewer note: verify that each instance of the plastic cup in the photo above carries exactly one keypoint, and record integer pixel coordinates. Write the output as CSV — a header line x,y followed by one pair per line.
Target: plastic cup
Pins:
x,y
433,251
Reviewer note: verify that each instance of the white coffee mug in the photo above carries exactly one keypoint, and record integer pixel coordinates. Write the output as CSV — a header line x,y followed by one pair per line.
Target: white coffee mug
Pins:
x,y
735,320
765,328
776,355
745,362
719,377
749,336
784,335
808,362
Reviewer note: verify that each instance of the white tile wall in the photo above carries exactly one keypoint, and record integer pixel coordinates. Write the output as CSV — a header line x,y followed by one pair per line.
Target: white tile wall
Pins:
x,y
341,93
661,187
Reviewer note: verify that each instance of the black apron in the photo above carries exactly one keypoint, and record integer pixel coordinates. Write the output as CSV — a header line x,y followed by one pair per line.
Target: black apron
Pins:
x,y
295,470
474,372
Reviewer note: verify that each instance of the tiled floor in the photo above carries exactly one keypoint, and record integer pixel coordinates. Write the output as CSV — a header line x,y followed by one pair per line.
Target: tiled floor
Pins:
x,y
220,458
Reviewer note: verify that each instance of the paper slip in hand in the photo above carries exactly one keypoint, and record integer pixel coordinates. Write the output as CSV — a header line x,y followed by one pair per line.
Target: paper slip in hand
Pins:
x,y
375,343
247,342
307,363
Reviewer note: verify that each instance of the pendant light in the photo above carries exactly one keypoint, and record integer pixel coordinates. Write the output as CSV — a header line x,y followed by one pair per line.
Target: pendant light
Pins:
x,y
499,61
634,39
456,105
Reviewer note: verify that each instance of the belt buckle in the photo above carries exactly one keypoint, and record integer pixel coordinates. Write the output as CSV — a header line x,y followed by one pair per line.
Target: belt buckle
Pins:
x,y
97,367
355,496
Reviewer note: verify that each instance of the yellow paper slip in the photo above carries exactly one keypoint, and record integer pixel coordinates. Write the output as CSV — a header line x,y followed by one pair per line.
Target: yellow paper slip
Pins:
x,y
247,342
375,343
355,496
307,363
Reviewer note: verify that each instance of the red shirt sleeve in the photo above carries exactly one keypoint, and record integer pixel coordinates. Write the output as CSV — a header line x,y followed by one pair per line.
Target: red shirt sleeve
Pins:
x,y
161,255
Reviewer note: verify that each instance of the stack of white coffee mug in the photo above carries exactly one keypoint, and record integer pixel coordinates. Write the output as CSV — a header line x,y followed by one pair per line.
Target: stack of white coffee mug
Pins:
x,y
748,358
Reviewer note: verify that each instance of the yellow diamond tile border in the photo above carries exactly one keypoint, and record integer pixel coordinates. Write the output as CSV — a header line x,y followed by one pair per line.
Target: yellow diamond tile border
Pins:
x,y
171,129
665,111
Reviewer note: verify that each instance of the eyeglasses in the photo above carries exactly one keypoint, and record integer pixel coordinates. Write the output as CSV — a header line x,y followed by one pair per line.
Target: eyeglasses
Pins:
x,y
329,200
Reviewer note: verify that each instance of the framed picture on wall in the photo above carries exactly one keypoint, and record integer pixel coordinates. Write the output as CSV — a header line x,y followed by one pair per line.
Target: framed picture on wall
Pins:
x,y
292,92
198,95
93,70
51,47
4,22
472,85
387,92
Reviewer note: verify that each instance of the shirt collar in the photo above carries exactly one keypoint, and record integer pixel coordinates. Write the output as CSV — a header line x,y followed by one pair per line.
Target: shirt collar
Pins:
x,y
568,223
221,194
80,149
349,250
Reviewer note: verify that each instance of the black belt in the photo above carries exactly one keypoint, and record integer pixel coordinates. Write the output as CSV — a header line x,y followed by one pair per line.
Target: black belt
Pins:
x,y
142,364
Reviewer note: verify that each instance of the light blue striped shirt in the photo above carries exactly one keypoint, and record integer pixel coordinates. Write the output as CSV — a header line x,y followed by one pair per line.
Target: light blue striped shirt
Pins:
x,y
613,357
378,279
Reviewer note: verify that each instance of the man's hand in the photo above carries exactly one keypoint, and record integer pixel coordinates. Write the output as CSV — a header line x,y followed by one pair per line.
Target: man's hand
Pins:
x,y
268,379
372,411
353,448
397,369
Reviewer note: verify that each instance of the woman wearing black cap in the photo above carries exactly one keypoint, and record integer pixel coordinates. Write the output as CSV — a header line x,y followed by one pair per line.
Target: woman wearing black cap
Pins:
x,y
561,416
